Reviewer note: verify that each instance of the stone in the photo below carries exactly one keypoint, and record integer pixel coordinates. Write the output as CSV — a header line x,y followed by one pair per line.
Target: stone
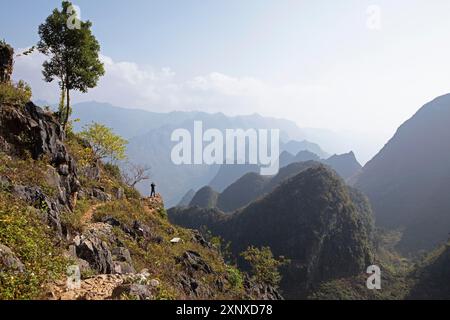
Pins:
x,y
135,291
96,253
192,261
9,261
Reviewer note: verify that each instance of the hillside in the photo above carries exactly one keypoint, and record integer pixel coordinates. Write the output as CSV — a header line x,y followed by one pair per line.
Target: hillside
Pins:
x,y
206,197
248,188
345,165
407,182
60,208
309,219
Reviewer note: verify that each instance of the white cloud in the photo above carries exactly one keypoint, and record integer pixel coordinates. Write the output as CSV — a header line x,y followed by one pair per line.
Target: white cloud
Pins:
x,y
131,85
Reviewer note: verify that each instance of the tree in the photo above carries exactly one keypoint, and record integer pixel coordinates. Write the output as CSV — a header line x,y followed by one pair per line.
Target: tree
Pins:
x,y
263,264
74,55
135,173
6,61
104,143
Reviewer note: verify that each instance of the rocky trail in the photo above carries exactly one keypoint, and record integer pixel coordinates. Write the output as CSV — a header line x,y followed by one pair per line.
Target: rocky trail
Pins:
x,y
109,285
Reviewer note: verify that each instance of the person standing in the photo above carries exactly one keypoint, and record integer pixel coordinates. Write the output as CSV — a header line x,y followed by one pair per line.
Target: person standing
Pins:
x,y
152,191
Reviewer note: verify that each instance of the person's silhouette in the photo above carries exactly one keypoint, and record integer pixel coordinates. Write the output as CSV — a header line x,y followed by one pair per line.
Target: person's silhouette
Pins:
x,y
153,192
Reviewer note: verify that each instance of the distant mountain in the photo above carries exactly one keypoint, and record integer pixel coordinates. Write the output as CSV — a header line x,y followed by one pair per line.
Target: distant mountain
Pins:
x,y
252,185
229,173
187,198
249,187
149,142
303,151
294,147
345,165
408,181
206,197
309,219
126,122
242,192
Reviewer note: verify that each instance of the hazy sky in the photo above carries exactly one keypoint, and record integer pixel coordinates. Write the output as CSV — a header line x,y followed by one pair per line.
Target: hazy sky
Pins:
x,y
326,64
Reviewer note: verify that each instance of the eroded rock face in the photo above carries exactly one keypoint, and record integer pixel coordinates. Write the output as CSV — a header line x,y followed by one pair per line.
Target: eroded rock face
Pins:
x,y
48,207
103,251
29,131
261,291
192,262
9,261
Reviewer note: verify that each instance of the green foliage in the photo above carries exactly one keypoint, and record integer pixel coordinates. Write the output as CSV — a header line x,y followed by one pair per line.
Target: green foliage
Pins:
x,y
74,53
162,213
73,220
24,233
235,277
15,94
264,266
104,143
113,170
27,172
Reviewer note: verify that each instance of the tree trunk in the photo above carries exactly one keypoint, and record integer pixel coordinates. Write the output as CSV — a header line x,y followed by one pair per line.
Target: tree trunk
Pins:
x,y
66,120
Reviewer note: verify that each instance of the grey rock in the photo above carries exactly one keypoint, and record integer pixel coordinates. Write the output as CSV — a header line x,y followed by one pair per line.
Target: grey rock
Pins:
x,y
193,262
101,195
9,261
96,253
135,291
35,197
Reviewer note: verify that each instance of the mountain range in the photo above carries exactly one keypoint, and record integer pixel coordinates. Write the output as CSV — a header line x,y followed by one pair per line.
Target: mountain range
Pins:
x,y
309,218
408,181
150,143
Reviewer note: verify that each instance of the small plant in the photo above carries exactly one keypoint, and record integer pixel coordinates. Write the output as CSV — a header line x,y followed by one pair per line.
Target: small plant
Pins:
x,y
235,277
264,266
15,94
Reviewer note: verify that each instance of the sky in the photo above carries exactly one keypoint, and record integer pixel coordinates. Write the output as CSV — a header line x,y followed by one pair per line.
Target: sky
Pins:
x,y
354,66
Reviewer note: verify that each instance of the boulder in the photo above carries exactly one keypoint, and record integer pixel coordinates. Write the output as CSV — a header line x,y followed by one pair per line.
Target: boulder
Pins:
x,y
48,207
29,130
133,291
9,261
193,262
96,252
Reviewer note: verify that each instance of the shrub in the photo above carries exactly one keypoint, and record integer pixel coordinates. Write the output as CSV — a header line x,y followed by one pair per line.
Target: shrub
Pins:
x,y
264,266
105,144
23,232
235,277
15,94
113,170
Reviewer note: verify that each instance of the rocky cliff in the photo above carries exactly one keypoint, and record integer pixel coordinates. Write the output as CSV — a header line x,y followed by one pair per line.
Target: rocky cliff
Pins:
x,y
62,214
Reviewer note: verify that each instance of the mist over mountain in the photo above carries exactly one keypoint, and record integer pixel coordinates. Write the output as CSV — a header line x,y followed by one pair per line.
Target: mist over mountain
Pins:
x,y
407,182
345,165
309,219
187,198
150,144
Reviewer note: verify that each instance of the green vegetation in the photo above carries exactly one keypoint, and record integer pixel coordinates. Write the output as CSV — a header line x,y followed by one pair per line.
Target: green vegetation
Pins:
x,y
22,230
264,266
235,277
74,54
15,94
28,172
104,143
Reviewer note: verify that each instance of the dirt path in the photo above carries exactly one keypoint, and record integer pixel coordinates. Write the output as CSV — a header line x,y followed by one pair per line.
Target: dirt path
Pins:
x,y
99,287
87,216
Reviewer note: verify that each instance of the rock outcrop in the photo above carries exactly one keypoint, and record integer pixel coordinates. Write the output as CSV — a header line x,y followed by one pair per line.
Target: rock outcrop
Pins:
x,y
29,131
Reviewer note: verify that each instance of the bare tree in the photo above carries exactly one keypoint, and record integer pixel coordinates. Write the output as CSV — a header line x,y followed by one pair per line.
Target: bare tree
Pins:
x,y
135,173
